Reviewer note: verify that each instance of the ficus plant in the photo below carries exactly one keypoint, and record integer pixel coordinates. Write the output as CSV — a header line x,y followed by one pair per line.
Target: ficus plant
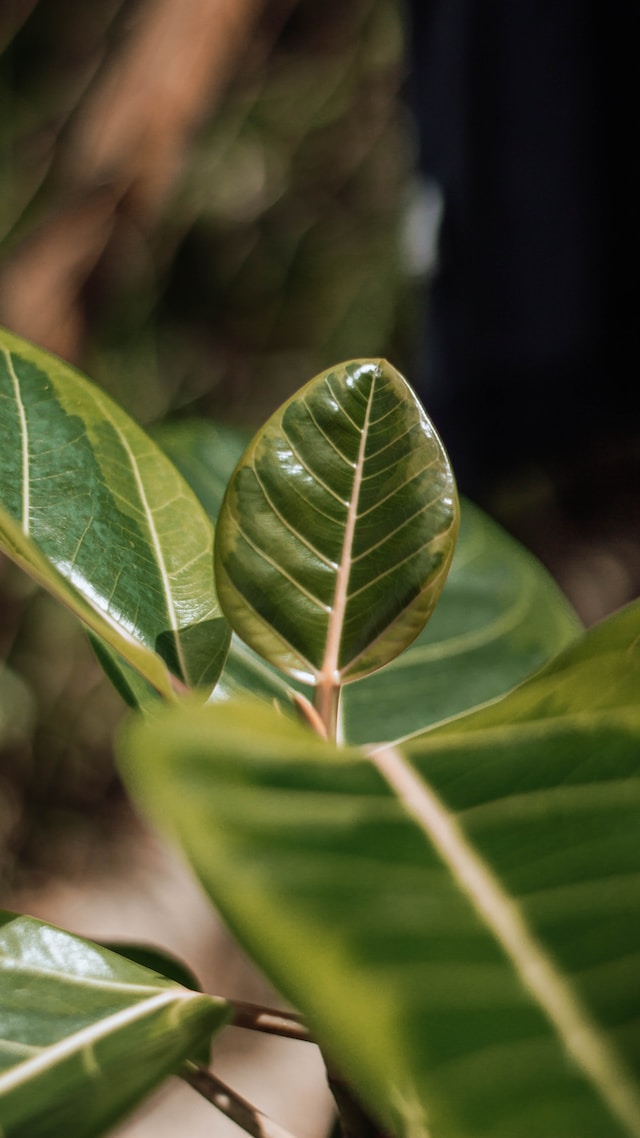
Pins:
x,y
425,834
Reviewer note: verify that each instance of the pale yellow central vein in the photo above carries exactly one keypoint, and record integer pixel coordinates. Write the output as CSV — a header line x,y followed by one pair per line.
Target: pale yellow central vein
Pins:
x,y
591,1049
86,1037
330,674
24,435
158,551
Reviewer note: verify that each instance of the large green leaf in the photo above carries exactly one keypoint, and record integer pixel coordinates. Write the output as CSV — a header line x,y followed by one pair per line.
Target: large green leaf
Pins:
x,y
338,527
109,511
26,554
206,454
459,916
85,1033
499,618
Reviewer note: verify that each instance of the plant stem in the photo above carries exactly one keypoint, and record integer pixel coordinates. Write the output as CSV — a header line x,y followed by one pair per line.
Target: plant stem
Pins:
x,y
354,1121
273,1022
243,1113
326,701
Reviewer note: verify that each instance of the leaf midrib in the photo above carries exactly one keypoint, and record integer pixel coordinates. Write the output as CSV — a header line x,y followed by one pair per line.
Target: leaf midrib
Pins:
x,y
84,1039
329,671
155,543
595,1055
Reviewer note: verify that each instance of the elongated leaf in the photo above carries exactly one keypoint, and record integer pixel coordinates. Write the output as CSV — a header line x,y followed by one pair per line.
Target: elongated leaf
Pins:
x,y
338,527
85,1033
109,511
459,916
500,617
206,454
28,556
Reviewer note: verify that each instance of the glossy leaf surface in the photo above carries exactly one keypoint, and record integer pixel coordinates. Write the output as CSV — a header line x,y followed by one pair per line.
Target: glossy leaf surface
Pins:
x,y
108,510
459,916
26,554
206,455
338,527
499,618
84,1033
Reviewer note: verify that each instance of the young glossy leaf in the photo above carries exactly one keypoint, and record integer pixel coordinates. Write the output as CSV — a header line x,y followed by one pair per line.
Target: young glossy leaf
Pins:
x,y
84,1033
109,511
206,454
338,527
459,917
500,617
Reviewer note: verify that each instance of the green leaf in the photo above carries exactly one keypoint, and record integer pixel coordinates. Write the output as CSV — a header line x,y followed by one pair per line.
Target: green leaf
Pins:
x,y
205,453
109,512
84,1033
499,618
158,960
28,556
338,527
459,916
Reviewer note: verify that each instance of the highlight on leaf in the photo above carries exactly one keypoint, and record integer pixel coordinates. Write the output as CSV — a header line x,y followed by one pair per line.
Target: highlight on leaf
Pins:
x,y
97,501
338,527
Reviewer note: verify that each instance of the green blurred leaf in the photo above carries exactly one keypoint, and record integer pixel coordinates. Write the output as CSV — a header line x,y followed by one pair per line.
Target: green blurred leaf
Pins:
x,y
84,1033
157,960
499,618
206,454
129,683
338,527
459,917
108,510
17,705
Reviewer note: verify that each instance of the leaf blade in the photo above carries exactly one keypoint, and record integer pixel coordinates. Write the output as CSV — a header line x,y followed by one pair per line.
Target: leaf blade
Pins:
x,y
72,1014
108,510
360,918
500,617
303,548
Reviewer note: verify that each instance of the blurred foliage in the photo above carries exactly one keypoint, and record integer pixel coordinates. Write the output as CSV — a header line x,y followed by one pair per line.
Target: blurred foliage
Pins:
x,y
271,252
276,252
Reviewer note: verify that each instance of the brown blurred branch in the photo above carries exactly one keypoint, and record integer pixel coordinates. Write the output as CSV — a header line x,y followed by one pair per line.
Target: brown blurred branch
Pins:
x,y
175,64
125,151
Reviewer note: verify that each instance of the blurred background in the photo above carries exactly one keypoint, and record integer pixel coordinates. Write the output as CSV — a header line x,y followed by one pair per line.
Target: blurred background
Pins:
x,y
203,203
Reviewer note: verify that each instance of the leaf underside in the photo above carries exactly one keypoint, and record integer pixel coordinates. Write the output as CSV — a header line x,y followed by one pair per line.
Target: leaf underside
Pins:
x,y
338,527
109,512
458,916
84,1033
